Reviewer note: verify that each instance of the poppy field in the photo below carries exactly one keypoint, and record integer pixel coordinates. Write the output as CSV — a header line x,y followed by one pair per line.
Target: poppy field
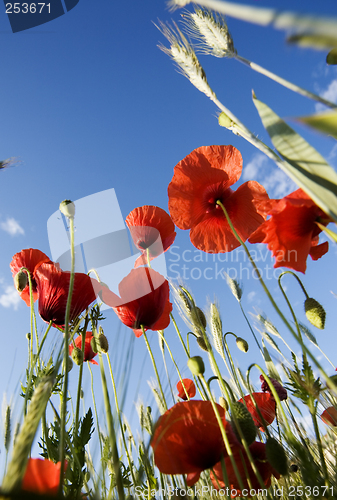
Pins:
x,y
237,433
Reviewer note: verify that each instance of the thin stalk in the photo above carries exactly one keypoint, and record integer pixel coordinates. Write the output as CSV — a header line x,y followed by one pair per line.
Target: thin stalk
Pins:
x,y
66,353
179,335
232,364
155,367
312,410
284,82
250,327
112,435
178,371
79,384
120,421
279,312
97,421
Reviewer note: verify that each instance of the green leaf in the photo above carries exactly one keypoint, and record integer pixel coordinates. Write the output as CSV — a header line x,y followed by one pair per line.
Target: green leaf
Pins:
x,y
314,40
323,122
331,58
86,428
302,162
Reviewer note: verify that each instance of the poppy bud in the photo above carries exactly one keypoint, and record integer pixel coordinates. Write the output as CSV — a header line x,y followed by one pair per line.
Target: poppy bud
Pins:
x,y
28,336
77,355
196,365
202,344
293,468
82,394
70,364
242,344
223,402
276,456
87,476
103,342
67,208
93,344
20,281
245,421
198,317
315,313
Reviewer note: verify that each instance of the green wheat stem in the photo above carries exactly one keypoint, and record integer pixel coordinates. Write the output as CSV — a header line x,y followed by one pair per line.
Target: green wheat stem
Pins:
x,y
284,82
97,421
251,328
111,432
154,367
120,421
179,335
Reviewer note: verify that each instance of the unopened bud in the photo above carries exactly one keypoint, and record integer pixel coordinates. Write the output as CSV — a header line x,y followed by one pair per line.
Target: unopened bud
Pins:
x,y
93,344
81,394
77,355
196,365
70,364
224,403
245,421
86,476
315,313
20,281
103,342
202,344
276,456
28,336
67,208
242,344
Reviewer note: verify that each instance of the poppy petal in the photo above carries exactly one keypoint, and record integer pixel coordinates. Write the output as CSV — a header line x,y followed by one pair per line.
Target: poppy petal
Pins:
x,y
42,476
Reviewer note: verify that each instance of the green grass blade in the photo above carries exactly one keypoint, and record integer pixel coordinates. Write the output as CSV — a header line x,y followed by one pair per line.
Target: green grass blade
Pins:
x,y
323,122
302,162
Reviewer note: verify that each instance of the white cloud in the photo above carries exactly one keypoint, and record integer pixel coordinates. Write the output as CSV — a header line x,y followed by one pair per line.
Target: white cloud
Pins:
x,y
251,296
275,181
10,298
330,93
12,227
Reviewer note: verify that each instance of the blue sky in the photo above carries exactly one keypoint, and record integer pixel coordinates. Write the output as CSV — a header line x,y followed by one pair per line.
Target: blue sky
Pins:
x,y
89,103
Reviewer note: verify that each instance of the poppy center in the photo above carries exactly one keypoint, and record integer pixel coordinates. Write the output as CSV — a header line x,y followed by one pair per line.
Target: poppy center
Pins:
x,y
212,195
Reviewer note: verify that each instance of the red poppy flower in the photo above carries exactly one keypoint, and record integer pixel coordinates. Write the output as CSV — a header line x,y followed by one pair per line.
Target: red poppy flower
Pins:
x,y
31,259
199,181
280,390
151,228
144,300
53,287
187,439
291,233
189,386
329,416
258,452
89,354
266,404
42,476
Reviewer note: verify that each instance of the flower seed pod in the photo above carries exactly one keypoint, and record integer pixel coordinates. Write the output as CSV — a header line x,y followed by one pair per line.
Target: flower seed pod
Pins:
x,y
202,344
223,402
276,456
67,208
196,365
94,345
315,313
77,355
293,468
244,419
242,344
20,281
103,342
70,364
